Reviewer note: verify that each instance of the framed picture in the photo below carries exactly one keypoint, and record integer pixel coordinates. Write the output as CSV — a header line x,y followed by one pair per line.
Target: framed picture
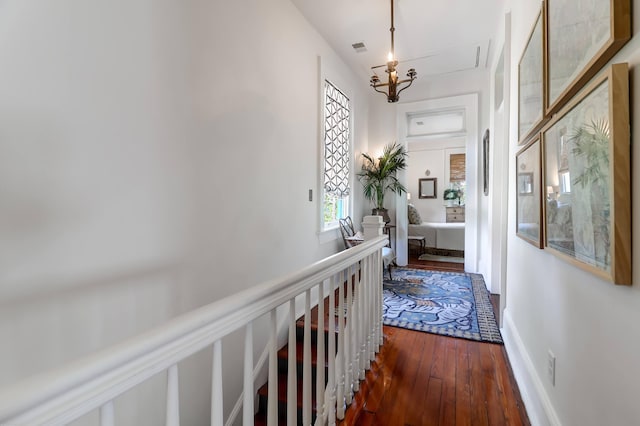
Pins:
x,y
531,84
582,35
587,214
529,194
427,188
485,162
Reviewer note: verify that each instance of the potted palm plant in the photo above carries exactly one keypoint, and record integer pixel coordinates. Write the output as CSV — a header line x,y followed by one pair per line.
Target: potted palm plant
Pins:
x,y
379,176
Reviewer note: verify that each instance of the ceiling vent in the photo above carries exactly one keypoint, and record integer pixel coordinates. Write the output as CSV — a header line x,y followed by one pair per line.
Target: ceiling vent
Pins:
x,y
359,47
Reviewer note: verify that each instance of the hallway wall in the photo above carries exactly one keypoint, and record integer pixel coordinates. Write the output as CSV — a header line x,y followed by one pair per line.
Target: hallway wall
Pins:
x,y
154,156
590,325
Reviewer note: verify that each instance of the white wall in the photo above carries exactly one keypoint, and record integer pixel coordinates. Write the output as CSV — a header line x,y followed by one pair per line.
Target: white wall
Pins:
x,y
154,157
590,325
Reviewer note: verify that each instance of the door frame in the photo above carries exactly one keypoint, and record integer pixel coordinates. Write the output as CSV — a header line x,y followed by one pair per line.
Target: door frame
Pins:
x,y
469,103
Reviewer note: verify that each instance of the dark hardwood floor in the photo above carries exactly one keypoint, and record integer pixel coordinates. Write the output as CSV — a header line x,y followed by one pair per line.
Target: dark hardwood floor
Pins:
x,y
425,379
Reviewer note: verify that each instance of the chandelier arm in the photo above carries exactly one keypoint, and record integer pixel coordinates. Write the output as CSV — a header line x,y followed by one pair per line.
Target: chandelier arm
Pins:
x,y
405,87
380,91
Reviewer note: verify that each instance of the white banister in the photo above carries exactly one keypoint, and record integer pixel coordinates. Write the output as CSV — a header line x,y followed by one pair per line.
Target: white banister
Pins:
x,y
292,376
247,394
173,397
107,414
63,395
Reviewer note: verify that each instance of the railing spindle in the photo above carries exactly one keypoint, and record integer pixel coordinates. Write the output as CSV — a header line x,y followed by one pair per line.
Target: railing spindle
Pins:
x,y
378,290
247,395
331,386
355,346
107,415
340,356
173,397
372,333
306,361
292,376
348,337
362,334
217,414
272,405
321,409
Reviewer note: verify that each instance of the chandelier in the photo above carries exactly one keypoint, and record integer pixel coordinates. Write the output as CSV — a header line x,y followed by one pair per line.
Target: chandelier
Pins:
x,y
393,85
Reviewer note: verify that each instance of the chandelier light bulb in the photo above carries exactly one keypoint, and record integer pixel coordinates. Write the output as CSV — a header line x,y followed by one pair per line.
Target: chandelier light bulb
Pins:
x,y
390,57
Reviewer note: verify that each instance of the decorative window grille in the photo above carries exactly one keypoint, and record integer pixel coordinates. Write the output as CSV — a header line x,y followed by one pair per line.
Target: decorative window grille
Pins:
x,y
336,176
336,142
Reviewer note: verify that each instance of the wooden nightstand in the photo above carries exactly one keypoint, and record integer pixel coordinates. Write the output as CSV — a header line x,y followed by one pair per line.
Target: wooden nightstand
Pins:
x,y
455,214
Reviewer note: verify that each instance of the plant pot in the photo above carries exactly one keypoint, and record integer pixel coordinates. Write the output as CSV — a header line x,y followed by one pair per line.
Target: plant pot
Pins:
x,y
381,212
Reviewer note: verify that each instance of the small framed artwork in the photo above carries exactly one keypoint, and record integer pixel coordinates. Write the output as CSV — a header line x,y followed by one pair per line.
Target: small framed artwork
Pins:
x,y
587,215
529,206
427,188
485,162
531,84
582,35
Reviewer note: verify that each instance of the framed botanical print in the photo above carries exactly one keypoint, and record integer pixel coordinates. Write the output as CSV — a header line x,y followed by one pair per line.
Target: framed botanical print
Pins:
x,y
582,35
529,193
587,214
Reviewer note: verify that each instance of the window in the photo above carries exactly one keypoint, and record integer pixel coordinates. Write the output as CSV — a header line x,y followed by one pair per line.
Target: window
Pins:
x,y
336,183
565,183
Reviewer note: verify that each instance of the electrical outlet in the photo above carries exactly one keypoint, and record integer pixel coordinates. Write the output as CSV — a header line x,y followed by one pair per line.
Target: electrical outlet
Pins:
x,y
551,367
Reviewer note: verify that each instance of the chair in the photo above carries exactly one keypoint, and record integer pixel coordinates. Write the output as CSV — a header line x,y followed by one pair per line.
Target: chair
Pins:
x,y
352,239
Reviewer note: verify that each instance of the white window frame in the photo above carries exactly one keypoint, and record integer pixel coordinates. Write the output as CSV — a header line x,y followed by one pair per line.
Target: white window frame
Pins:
x,y
328,231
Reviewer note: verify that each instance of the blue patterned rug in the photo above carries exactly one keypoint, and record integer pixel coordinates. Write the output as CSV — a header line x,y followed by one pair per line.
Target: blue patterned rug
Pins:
x,y
450,303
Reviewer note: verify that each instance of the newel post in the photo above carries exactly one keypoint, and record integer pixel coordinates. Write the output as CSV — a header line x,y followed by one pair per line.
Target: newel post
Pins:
x,y
372,227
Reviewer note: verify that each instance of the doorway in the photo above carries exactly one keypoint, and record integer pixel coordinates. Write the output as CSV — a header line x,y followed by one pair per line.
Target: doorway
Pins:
x,y
435,124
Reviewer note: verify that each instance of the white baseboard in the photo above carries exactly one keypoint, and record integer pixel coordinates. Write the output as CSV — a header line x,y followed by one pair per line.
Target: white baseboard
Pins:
x,y
535,398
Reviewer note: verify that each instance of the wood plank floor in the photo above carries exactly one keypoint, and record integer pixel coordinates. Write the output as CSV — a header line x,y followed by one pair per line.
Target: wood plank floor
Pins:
x,y
425,379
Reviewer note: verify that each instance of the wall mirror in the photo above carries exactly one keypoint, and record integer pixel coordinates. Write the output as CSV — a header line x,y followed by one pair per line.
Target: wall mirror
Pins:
x,y
427,187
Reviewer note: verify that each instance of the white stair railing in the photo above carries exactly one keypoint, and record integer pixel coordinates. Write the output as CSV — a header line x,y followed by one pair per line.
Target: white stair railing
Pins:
x,y
353,276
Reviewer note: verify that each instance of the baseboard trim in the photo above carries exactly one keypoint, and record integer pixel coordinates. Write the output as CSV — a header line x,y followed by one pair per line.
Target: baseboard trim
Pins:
x,y
535,398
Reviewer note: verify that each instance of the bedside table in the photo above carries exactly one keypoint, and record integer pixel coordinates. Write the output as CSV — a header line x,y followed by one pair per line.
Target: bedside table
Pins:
x,y
455,214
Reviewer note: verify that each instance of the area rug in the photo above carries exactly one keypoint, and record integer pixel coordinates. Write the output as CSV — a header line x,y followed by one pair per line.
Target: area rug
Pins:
x,y
436,258
449,303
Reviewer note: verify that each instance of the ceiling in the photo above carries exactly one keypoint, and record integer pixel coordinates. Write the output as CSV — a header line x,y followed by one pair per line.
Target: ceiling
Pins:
x,y
433,36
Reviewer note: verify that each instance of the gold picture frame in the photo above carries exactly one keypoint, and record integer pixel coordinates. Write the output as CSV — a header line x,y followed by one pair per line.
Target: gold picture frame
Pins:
x,y
531,82
586,174
529,193
580,38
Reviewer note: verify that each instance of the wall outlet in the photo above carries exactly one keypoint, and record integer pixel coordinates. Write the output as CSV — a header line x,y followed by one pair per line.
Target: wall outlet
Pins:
x,y
551,367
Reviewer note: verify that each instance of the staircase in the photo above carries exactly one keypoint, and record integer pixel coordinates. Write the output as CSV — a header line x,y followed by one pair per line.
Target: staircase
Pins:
x,y
283,362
